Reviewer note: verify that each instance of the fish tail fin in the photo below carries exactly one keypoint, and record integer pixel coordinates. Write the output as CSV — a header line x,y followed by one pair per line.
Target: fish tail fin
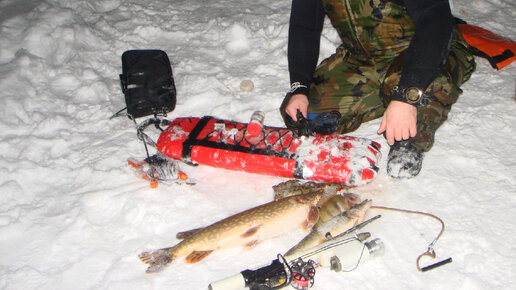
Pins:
x,y
157,260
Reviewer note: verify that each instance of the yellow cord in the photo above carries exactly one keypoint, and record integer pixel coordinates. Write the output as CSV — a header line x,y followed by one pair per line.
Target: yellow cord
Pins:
x,y
430,251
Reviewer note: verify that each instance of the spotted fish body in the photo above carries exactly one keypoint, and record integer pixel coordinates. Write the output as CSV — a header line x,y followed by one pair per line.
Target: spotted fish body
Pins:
x,y
243,229
336,205
333,225
296,187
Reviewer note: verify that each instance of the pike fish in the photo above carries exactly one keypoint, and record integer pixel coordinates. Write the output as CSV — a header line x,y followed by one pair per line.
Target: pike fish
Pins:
x,y
332,226
335,205
244,229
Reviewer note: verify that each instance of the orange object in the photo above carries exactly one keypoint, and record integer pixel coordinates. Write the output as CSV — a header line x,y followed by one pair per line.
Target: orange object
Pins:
x,y
182,176
498,50
140,169
134,163
275,151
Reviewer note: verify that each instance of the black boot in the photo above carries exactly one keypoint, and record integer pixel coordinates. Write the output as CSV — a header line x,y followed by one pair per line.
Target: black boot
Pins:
x,y
405,160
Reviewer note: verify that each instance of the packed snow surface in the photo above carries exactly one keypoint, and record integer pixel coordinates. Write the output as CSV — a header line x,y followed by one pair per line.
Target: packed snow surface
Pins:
x,y
73,215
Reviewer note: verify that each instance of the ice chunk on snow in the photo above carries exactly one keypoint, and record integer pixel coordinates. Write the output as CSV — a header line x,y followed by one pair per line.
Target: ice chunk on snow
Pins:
x,y
239,43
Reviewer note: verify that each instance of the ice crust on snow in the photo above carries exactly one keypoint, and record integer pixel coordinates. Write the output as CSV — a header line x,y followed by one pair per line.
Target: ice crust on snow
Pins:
x,y
73,216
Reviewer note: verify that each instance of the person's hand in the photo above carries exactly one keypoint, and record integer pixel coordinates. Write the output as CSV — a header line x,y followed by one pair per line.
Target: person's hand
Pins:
x,y
399,122
297,102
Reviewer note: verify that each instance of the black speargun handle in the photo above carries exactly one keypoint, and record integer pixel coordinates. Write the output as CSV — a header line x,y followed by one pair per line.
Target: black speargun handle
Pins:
x,y
273,276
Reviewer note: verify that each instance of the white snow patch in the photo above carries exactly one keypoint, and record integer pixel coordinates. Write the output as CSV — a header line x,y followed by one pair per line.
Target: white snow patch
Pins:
x,y
74,216
238,42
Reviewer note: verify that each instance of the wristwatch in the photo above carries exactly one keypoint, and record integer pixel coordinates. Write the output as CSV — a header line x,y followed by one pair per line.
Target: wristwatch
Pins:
x,y
410,95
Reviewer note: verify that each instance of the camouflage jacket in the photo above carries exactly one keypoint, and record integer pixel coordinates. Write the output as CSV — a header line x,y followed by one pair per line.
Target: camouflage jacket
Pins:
x,y
373,29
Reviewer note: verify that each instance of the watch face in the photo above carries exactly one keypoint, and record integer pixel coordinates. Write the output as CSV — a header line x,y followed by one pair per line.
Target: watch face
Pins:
x,y
413,94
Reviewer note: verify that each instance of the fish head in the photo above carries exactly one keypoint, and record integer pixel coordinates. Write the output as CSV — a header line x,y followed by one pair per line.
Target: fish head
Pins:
x,y
359,211
349,199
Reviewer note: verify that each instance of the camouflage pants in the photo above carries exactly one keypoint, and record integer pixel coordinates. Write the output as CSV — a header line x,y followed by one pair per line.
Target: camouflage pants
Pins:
x,y
358,88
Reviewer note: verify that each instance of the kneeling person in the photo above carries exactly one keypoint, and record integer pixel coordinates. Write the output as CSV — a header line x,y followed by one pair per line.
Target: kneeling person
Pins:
x,y
402,60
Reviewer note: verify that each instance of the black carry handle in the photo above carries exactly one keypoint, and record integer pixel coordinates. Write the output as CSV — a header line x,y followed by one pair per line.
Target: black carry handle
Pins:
x,y
305,128
325,123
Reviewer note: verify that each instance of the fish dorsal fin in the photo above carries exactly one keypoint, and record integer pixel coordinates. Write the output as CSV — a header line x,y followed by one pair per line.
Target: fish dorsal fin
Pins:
x,y
187,234
197,256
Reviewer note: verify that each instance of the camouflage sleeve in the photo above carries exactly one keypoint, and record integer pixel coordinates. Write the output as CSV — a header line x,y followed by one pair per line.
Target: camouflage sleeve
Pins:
x,y
430,45
306,23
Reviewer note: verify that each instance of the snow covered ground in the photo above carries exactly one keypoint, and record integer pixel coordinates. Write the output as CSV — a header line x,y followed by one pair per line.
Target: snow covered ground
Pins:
x,y
74,216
